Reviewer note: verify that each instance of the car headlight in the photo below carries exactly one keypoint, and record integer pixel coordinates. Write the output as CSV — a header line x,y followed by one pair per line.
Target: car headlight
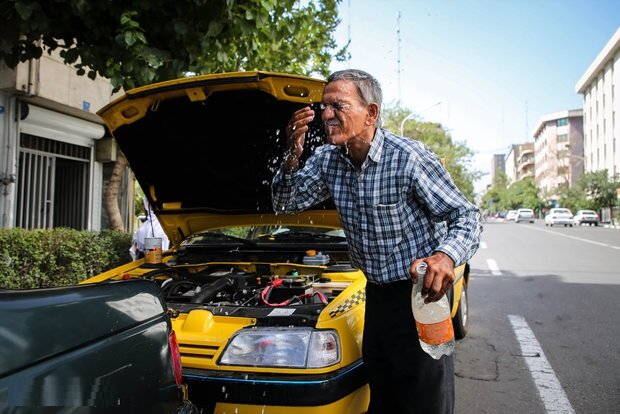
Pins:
x,y
283,347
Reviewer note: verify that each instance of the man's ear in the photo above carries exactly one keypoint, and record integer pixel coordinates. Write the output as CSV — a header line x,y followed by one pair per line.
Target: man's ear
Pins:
x,y
373,114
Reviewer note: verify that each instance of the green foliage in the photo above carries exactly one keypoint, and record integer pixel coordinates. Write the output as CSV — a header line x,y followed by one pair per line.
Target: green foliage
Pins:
x,y
600,189
521,194
58,257
137,42
456,156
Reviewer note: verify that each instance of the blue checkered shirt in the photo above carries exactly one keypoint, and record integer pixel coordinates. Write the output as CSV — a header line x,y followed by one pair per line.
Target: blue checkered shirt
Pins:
x,y
401,205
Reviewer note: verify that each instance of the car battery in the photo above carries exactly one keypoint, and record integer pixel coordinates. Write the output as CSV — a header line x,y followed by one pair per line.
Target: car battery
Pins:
x,y
289,288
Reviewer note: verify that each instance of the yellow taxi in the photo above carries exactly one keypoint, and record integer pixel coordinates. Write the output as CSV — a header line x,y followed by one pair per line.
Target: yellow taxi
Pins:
x,y
267,309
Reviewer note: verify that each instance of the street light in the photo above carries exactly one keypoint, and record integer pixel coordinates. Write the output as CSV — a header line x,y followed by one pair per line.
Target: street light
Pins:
x,y
411,115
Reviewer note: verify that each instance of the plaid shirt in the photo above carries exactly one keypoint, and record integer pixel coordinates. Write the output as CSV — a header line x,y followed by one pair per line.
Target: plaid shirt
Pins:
x,y
401,205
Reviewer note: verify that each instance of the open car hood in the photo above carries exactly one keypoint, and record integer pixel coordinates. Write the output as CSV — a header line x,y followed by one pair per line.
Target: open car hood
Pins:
x,y
205,149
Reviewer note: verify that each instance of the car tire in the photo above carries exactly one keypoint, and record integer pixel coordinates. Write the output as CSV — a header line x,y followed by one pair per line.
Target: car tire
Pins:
x,y
459,322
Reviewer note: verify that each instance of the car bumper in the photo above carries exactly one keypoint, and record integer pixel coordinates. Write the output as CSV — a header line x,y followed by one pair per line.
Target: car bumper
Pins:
x,y
337,392
586,221
562,221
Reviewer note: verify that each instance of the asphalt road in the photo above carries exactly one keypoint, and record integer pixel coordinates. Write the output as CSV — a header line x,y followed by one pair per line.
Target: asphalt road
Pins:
x,y
544,326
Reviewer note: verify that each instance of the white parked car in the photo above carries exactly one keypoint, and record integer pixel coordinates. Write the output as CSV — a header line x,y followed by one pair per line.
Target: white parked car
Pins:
x,y
512,215
561,216
586,217
525,214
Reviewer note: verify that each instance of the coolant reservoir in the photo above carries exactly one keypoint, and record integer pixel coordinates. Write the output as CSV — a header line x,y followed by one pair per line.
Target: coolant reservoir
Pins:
x,y
313,257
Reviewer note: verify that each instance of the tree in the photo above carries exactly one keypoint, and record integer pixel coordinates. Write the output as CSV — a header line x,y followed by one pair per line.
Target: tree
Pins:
x,y
136,42
600,189
495,198
456,156
523,194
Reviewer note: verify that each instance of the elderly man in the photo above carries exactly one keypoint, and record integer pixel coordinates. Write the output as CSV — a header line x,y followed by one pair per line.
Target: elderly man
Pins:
x,y
398,207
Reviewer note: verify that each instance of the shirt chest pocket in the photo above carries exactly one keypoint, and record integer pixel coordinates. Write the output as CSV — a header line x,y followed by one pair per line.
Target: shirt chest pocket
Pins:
x,y
387,224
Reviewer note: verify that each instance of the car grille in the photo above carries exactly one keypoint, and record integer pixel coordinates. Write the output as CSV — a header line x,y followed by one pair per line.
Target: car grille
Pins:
x,y
198,354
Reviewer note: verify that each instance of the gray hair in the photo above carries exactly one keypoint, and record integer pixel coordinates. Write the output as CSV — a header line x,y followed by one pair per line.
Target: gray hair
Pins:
x,y
368,87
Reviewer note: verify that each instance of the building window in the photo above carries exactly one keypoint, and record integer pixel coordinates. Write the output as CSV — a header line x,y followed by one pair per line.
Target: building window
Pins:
x,y
561,122
563,138
52,184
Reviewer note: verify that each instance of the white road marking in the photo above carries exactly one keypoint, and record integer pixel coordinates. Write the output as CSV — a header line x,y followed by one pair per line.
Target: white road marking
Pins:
x,y
549,388
483,245
493,267
578,238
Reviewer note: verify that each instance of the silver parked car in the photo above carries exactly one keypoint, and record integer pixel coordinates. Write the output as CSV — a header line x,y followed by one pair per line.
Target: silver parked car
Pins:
x,y
561,216
525,214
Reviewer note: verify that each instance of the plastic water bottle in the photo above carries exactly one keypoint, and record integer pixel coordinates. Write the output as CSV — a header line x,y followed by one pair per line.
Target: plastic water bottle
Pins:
x,y
432,320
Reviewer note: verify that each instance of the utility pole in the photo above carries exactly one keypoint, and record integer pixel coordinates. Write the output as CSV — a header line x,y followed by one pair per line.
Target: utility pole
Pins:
x,y
398,52
349,33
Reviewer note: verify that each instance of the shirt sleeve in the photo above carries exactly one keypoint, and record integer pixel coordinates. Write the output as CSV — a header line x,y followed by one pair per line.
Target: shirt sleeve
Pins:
x,y
299,190
436,190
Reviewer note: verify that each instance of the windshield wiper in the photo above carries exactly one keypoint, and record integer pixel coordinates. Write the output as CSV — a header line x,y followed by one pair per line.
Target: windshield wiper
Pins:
x,y
211,235
305,235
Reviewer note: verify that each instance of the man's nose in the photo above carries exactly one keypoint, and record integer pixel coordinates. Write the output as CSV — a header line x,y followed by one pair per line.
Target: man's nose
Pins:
x,y
327,112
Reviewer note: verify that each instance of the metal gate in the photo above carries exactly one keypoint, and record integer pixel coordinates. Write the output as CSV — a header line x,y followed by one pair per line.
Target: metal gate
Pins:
x,y
52,186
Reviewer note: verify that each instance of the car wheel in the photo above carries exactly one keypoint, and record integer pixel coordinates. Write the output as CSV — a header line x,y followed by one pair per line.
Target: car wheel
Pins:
x,y
459,322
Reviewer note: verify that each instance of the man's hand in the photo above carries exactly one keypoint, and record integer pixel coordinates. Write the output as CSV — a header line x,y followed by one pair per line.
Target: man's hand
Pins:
x,y
296,136
439,275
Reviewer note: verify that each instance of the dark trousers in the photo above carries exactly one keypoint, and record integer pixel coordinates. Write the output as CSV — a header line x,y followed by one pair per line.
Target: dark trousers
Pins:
x,y
403,378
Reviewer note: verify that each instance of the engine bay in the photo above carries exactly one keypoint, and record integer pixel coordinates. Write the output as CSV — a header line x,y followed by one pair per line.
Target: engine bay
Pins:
x,y
251,289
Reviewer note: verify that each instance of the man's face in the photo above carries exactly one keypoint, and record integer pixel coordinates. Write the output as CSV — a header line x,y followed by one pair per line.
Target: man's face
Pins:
x,y
344,115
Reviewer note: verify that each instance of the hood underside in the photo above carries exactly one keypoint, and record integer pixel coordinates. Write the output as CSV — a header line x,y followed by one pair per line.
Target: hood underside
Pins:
x,y
209,146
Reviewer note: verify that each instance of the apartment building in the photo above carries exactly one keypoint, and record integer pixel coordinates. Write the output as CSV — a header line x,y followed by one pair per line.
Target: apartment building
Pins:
x,y
498,164
510,164
519,162
56,153
601,106
558,151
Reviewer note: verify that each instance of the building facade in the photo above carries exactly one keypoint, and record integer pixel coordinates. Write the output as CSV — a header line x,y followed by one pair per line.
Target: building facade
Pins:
x,y
558,151
519,162
510,164
601,109
55,154
498,164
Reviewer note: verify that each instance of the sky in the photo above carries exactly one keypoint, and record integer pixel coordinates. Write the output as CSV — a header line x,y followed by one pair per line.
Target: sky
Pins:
x,y
487,70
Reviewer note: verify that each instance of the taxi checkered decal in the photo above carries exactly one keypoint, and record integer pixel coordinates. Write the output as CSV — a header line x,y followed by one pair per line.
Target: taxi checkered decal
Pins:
x,y
355,299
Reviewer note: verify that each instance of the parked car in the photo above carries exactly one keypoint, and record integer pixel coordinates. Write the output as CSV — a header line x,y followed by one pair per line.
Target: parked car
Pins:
x,y
525,214
512,215
107,347
561,216
586,217
267,308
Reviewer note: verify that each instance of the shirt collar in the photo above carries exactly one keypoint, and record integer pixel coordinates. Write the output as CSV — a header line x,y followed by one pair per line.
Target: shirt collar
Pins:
x,y
375,151
376,146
